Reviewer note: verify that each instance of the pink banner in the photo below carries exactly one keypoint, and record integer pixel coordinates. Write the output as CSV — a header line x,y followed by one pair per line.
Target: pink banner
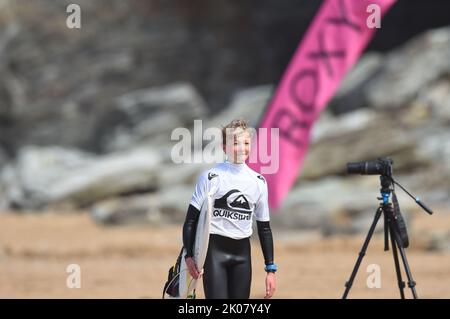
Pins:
x,y
334,41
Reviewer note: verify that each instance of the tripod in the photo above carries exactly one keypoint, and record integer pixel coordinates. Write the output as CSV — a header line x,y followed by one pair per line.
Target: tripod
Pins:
x,y
393,228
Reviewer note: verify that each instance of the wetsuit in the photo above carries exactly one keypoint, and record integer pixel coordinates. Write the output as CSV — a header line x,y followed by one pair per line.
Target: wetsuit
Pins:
x,y
241,194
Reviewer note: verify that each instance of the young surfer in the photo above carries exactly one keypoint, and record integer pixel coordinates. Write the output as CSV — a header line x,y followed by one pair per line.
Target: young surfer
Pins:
x,y
241,194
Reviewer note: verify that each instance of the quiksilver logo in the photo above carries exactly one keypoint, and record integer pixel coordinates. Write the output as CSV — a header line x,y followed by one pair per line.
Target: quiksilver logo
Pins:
x,y
211,176
239,204
232,205
231,215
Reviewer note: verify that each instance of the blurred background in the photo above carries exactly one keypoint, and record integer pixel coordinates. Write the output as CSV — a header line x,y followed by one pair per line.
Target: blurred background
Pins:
x,y
86,116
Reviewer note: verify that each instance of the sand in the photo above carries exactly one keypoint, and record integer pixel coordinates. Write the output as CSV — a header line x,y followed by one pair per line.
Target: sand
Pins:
x,y
132,261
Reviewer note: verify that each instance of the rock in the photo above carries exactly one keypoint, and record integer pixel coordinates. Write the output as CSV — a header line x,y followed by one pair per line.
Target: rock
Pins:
x,y
166,206
437,99
429,183
170,175
334,205
435,144
3,158
410,69
114,174
329,126
349,142
248,104
56,80
395,79
179,97
175,201
154,111
350,94
35,170
52,175
11,191
137,209
440,242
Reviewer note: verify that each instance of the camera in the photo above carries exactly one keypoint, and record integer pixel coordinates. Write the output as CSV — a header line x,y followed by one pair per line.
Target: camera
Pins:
x,y
381,166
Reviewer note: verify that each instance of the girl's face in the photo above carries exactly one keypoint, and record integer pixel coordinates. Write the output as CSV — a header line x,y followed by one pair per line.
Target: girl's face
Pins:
x,y
239,150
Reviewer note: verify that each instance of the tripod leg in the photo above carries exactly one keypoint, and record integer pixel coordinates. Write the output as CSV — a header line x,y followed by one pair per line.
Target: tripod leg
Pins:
x,y
349,283
401,283
411,282
386,233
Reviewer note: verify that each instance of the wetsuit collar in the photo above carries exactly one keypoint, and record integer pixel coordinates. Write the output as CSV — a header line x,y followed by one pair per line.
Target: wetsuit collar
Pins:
x,y
235,166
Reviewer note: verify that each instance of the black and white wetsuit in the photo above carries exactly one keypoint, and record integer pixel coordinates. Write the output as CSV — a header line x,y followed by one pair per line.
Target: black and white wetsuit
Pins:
x,y
241,194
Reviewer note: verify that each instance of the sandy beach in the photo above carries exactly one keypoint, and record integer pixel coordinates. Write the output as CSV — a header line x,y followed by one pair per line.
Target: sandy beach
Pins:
x,y
132,261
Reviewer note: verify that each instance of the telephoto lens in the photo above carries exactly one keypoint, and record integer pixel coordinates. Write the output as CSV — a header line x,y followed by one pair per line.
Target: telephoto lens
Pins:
x,y
382,166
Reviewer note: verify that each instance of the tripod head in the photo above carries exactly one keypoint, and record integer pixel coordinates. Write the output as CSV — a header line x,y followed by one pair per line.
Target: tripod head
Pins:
x,y
386,189
383,167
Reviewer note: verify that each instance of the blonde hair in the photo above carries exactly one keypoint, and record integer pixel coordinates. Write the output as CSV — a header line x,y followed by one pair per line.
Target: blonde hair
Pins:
x,y
234,125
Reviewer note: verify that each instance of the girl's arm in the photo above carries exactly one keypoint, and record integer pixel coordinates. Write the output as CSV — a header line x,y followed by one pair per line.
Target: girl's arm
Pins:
x,y
266,240
189,230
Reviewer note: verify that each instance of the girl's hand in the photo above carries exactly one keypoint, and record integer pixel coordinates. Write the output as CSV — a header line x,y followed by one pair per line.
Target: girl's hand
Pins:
x,y
270,285
190,263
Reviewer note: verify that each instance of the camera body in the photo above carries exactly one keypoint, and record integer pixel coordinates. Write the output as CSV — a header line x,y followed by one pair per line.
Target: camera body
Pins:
x,y
381,166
